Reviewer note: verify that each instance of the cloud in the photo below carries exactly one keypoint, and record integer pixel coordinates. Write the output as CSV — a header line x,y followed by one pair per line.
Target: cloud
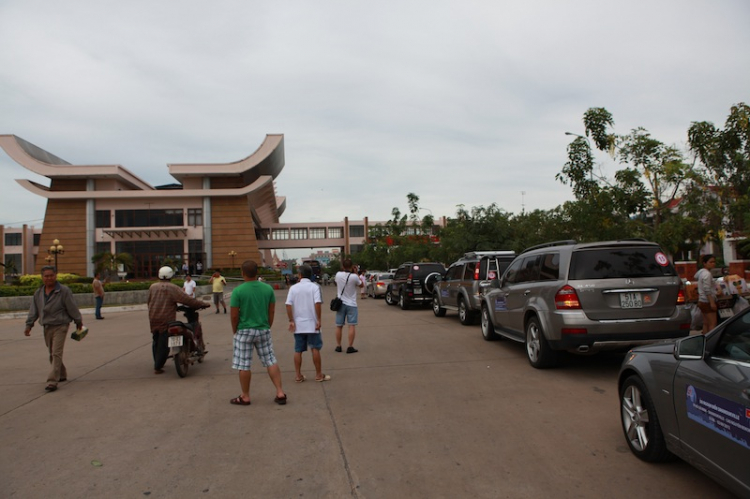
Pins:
x,y
462,103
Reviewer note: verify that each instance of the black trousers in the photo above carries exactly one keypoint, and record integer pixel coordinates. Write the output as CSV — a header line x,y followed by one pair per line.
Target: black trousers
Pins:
x,y
160,348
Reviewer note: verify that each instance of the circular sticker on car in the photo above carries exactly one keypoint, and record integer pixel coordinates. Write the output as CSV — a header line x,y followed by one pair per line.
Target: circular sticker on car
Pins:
x,y
661,259
493,275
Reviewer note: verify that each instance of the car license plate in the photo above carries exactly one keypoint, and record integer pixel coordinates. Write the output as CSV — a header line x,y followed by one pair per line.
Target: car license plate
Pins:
x,y
175,341
417,291
631,300
726,313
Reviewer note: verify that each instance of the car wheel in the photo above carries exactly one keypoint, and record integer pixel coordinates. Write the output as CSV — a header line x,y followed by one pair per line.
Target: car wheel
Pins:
x,y
640,422
488,329
538,351
436,308
403,301
389,297
464,314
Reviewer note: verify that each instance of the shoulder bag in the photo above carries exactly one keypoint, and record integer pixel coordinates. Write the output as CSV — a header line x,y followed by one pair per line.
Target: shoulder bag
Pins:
x,y
336,302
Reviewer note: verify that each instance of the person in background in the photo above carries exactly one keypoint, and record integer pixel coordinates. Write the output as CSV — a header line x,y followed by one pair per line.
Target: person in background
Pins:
x,y
53,305
707,293
199,267
189,286
346,285
218,282
98,288
363,279
253,305
303,307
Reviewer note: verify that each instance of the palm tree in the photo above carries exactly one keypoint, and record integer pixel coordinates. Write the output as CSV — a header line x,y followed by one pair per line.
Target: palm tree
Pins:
x,y
108,263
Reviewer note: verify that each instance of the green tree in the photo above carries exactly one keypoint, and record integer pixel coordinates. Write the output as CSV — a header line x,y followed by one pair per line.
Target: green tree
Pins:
x,y
723,179
108,263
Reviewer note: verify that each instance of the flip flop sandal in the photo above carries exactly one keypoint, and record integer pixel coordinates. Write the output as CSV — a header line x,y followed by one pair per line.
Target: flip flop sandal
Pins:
x,y
50,388
280,400
325,377
300,380
239,401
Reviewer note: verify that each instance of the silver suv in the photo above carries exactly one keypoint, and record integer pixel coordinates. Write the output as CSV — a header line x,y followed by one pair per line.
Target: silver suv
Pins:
x,y
586,297
459,289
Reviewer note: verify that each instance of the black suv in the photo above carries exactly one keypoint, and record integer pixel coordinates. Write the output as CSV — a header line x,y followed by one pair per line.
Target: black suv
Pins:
x,y
461,287
412,283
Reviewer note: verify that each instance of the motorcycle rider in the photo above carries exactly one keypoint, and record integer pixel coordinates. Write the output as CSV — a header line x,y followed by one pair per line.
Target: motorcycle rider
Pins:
x,y
163,298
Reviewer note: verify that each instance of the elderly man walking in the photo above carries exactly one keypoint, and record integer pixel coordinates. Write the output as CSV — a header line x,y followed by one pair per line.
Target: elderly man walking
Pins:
x,y
54,307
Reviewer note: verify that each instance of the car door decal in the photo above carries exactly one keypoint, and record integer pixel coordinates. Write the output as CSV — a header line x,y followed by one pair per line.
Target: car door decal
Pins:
x,y
721,415
500,304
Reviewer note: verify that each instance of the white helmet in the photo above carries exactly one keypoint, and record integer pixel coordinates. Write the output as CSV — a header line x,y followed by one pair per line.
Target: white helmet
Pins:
x,y
166,273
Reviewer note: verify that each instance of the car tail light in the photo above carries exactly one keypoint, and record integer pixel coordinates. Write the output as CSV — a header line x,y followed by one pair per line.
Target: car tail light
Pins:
x,y
380,283
567,299
681,296
476,272
574,330
685,326
409,278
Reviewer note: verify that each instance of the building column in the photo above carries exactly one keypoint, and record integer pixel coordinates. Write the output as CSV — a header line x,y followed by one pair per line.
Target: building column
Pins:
x,y
207,240
90,228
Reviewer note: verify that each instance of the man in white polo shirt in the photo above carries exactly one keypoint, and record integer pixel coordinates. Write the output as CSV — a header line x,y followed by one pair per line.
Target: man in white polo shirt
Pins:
x,y
303,309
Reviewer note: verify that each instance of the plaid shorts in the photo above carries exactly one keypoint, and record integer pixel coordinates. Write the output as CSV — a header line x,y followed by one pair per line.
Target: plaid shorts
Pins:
x,y
244,341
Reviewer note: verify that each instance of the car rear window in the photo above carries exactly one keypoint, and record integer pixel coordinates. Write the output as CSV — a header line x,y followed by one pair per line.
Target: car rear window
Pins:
x,y
422,270
609,263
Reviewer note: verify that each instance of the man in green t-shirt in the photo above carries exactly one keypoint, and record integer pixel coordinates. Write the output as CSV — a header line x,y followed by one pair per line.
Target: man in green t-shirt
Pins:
x,y
253,304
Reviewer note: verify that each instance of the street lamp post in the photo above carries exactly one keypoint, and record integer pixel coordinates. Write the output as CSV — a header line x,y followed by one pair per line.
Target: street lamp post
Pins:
x,y
232,254
56,249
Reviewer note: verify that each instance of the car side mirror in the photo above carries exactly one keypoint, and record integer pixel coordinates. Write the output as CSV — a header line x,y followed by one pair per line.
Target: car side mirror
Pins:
x,y
690,348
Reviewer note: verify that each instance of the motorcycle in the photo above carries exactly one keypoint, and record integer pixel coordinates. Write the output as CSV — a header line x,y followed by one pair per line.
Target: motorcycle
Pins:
x,y
185,341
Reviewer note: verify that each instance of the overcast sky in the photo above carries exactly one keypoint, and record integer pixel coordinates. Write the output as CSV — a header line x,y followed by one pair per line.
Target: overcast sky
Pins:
x,y
461,102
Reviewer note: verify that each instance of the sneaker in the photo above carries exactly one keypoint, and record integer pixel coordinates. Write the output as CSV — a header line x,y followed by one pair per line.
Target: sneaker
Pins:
x,y
351,350
338,349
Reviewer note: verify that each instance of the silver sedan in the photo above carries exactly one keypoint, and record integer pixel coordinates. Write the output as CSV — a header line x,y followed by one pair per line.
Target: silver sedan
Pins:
x,y
691,398
378,284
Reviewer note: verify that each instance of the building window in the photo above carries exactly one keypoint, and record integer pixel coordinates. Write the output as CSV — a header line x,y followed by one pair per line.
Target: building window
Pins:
x,y
318,233
356,248
335,232
356,231
13,263
103,219
280,234
102,248
148,218
195,216
37,239
13,239
298,233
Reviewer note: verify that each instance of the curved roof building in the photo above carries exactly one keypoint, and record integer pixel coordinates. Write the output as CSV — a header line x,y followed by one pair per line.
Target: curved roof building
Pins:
x,y
215,210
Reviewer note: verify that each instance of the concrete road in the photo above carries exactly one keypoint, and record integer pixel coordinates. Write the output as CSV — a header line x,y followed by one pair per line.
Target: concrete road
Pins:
x,y
425,409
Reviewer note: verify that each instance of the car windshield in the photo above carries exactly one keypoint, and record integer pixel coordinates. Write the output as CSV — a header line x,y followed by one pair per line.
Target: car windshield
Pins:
x,y
609,263
384,276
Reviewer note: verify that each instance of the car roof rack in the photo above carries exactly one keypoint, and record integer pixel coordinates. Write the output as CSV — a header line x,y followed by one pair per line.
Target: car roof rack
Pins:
x,y
564,242
480,254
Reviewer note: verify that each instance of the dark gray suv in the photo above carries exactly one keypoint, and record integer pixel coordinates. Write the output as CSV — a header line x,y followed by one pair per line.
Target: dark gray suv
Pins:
x,y
586,297
460,288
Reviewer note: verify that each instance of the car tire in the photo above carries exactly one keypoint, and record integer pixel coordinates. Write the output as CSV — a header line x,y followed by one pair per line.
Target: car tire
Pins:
x,y
436,308
538,351
488,329
403,301
640,423
465,315
389,297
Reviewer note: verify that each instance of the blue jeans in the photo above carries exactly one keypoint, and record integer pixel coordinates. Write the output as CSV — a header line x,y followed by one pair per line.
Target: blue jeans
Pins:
x,y
99,302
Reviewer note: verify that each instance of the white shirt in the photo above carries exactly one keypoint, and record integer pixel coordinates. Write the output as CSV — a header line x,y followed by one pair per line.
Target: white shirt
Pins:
x,y
302,297
189,288
347,290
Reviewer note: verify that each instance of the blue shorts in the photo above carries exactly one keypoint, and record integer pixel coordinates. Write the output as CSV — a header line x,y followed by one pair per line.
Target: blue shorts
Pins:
x,y
347,313
303,340
244,341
